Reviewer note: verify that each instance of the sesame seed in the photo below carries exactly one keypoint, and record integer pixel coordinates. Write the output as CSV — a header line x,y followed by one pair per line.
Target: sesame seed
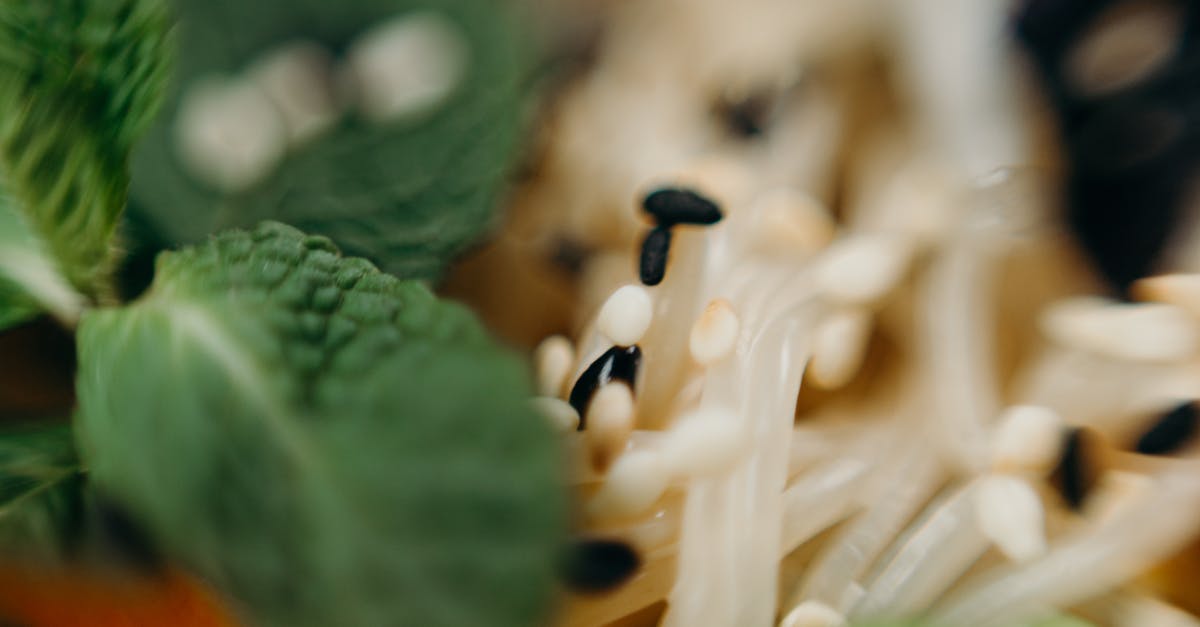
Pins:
x,y
714,333
839,344
1173,430
672,205
707,443
862,268
597,565
1010,514
813,614
1181,290
748,114
1072,473
568,255
655,248
1027,439
626,315
721,177
562,417
636,480
610,421
552,361
745,118
619,363
1146,332
792,222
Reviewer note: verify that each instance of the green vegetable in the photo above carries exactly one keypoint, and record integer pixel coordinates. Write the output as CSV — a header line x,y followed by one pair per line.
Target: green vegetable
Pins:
x,y
19,250
328,444
79,81
408,194
39,491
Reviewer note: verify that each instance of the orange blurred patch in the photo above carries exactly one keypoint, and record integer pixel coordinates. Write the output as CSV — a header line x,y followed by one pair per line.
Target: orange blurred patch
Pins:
x,y
1175,580
46,597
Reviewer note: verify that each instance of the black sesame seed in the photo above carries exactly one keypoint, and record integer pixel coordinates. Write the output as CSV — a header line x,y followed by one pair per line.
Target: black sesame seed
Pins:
x,y
671,206
1072,472
568,255
748,117
655,248
618,363
1170,432
593,566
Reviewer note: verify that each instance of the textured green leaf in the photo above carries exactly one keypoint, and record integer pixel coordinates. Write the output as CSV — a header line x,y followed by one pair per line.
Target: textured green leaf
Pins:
x,y
79,81
39,490
329,444
30,280
408,195
15,307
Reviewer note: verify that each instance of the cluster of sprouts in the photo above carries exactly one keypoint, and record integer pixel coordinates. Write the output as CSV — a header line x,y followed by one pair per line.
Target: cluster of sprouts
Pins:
x,y
883,383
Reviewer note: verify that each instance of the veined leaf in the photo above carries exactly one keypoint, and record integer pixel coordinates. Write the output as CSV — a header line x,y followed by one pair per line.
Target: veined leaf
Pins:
x,y
30,280
408,194
15,307
327,443
40,488
79,80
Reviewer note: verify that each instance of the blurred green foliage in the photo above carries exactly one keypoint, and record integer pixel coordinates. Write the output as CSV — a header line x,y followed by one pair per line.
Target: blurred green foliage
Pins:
x,y
408,194
79,82
329,444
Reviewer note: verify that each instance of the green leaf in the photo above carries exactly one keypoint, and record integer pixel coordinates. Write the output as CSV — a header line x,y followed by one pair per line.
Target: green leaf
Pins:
x,y
408,194
79,81
29,278
40,486
327,443
15,307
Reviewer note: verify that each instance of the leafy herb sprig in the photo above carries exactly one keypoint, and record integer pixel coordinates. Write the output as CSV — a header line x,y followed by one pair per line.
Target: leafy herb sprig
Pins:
x,y
322,441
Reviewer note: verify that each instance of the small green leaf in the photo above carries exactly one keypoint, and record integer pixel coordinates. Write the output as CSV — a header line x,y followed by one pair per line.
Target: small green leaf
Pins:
x,y
15,307
40,485
79,81
327,443
409,194
29,278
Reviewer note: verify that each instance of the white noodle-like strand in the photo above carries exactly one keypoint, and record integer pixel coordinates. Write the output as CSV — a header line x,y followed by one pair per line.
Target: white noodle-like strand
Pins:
x,y
732,525
820,499
1131,609
955,342
936,551
910,484
1093,561
677,299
